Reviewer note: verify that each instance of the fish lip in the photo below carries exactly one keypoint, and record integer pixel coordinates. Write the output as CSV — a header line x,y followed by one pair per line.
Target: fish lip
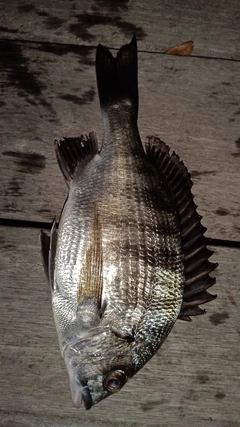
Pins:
x,y
82,395
86,397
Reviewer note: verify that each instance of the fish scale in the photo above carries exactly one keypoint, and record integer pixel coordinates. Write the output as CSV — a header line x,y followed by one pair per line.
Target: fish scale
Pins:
x,y
136,203
129,255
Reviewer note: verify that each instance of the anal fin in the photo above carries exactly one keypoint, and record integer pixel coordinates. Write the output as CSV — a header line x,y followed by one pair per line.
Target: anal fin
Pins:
x,y
73,152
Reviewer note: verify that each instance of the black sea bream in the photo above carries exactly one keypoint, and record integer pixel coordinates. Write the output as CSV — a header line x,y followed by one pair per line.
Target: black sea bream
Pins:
x,y
129,257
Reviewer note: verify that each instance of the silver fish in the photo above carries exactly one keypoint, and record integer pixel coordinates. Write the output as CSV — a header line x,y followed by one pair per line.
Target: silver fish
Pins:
x,y
129,256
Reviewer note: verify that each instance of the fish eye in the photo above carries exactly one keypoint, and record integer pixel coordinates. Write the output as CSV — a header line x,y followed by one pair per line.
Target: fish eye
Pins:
x,y
114,381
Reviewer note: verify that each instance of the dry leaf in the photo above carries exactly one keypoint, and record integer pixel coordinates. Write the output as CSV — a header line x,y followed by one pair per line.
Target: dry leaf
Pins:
x,y
184,49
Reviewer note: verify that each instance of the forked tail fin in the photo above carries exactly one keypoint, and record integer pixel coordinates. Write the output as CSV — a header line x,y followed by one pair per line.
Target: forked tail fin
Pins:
x,y
117,77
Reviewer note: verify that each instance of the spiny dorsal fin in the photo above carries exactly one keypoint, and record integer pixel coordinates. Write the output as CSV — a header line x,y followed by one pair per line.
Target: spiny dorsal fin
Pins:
x,y
196,254
117,77
71,152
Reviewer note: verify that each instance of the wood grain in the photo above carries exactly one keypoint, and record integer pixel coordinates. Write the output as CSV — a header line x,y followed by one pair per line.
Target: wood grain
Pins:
x,y
194,378
213,26
50,92
47,91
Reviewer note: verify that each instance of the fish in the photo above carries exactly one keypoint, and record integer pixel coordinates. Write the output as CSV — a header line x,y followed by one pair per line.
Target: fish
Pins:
x,y
129,256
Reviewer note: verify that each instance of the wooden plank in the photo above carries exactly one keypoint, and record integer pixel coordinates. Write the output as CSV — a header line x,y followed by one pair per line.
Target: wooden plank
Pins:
x,y
49,91
214,26
193,379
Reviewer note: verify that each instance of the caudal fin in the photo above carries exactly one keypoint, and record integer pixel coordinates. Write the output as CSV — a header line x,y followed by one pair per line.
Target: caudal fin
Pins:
x,y
117,77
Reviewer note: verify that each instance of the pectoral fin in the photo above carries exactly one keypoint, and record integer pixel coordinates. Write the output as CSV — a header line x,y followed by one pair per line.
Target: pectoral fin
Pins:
x,y
90,277
125,333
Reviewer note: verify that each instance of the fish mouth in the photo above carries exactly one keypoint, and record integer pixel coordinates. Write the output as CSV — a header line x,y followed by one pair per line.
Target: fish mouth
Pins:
x,y
86,398
81,394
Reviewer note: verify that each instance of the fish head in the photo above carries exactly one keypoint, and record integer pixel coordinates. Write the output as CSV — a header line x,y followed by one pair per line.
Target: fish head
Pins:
x,y
98,365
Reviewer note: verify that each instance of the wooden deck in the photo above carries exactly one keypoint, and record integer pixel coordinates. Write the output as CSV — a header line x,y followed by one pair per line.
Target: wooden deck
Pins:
x,y
48,90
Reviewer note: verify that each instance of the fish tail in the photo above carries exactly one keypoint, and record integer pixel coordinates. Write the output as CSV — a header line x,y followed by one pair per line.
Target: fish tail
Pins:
x,y
117,77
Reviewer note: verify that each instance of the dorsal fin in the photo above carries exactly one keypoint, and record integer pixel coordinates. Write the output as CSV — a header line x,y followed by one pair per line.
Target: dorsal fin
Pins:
x,y
71,152
196,254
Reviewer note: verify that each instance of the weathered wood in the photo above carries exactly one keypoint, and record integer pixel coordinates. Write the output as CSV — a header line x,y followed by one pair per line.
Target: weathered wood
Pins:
x,y
213,26
193,380
50,92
